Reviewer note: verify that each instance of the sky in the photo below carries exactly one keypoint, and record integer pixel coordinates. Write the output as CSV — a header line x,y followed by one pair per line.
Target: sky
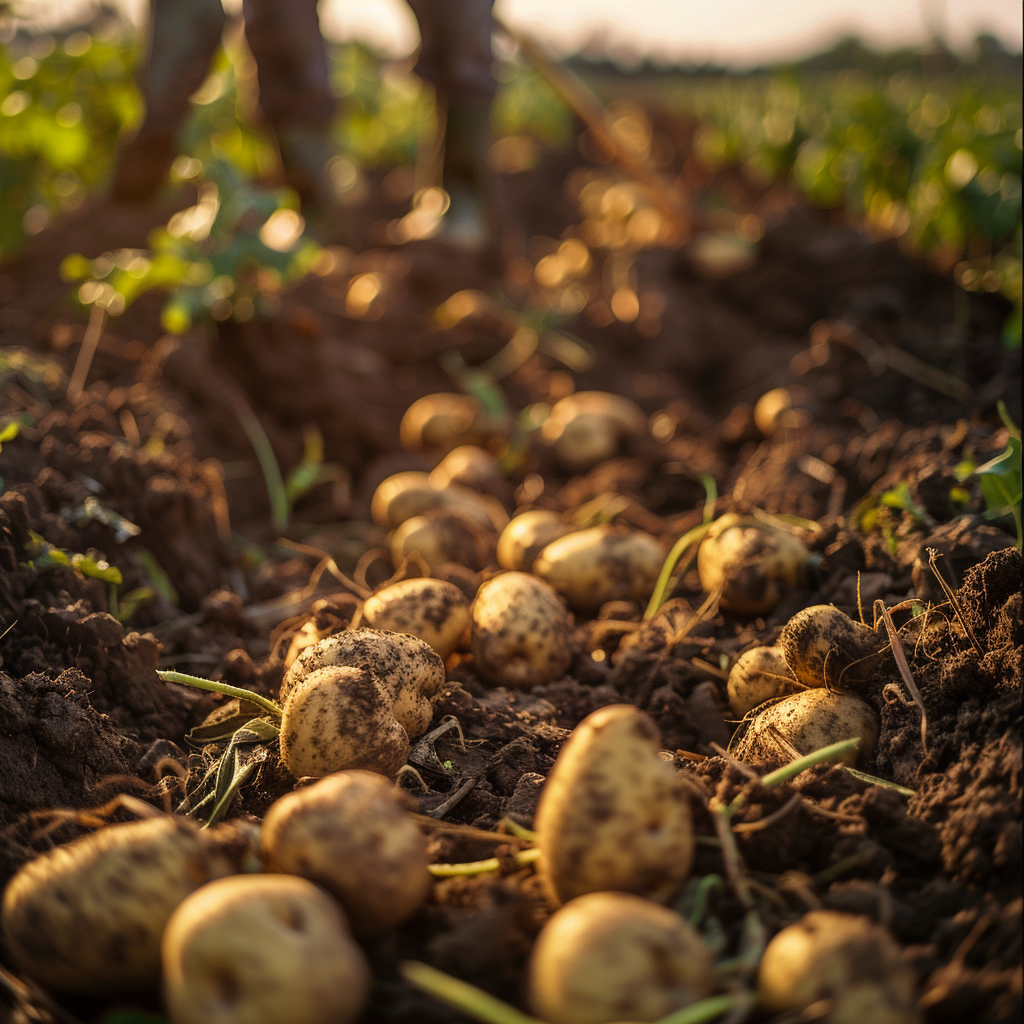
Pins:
x,y
734,32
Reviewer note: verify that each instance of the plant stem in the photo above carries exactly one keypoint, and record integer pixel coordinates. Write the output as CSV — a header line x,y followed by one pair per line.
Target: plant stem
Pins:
x,y
678,549
876,781
231,691
708,1009
469,999
276,490
481,867
794,768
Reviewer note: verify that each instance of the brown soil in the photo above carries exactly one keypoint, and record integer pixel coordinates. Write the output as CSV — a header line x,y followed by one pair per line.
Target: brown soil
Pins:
x,y
156,439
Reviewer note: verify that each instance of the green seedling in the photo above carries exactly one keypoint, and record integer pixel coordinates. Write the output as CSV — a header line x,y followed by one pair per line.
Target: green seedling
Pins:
x,y
687,544
1000,479
44,554
271,707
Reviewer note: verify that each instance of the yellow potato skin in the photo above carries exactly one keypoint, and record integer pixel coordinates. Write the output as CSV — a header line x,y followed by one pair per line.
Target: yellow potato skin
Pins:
x,y
759,675
591,567
613,815
822,638
86,917
520,632
262,949
527,535
351,834
441,422
844,958
809,721
609,956
434,610
341,717
752,562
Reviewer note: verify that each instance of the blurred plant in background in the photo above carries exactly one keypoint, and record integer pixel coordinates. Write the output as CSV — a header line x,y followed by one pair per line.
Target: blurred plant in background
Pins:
x,y
937,162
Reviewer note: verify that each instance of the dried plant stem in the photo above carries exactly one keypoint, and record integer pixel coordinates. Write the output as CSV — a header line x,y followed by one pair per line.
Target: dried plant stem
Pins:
x,y
241,693
904,667
90,342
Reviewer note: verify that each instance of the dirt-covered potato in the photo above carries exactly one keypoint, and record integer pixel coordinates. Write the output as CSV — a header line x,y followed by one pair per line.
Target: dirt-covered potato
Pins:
x,y
352,834
413,673
753,563
603,563
86,917
807,721
845,960
355,699
443,536
609,956
262,949
759,675
445,420
471,466
434,610
613,814
822,633
527,535
342,717
588,427
520,631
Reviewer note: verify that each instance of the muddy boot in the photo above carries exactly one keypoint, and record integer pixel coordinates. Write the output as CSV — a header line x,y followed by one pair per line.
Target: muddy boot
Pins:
x,y
184,35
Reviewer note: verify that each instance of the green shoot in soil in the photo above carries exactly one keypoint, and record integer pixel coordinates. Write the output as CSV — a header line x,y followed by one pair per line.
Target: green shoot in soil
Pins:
x,y
662,587
240,692
523,858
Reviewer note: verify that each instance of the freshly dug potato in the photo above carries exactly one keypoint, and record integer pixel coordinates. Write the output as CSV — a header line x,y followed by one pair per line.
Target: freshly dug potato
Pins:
x,y
327,615
588,427
601,564
609,956
845,959
527,535
808,721
86,917
775,411
471,466
759,675
824,632
355,699
613,814
520,631
262,949
445,420
753,562
435,611
342,717
412,672
443,536
402,496
352,834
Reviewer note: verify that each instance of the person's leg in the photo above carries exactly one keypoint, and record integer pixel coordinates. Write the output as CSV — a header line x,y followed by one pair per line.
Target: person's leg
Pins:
x,y
184,36
295,95
455,56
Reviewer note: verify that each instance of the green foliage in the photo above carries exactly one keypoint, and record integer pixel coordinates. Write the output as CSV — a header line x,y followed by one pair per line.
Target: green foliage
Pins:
x,y
938,162
218,259
63,101
43,554
1000,479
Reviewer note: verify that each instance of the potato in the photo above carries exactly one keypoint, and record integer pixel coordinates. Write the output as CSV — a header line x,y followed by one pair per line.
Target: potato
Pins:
x,y
609,956
355,699
351,834
590,567
613,814
443,421
412,672
775,411
403,495
753,562
443,536
520,631
759,675
843,959
823,633
526,535
435,611
588,427
262,949
474,467
86,917
808,721
342,717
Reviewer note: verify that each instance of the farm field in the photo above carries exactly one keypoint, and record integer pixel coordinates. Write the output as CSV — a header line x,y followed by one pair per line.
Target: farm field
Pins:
x,y
805,325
